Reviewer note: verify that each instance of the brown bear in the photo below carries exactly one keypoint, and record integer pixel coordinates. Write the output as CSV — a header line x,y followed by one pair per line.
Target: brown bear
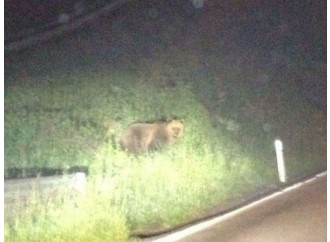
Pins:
x,y
148,136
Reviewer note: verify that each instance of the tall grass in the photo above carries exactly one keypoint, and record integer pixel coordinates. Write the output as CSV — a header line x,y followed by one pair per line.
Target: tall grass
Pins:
x,y
227,147
65,218
77,120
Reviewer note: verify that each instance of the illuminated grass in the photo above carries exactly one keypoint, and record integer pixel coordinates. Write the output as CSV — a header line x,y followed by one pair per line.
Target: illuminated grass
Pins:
x,y
76,120
87,218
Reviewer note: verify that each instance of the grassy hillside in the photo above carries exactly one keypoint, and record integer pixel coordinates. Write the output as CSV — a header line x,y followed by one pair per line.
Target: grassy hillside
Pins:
x,y
227,148
66,106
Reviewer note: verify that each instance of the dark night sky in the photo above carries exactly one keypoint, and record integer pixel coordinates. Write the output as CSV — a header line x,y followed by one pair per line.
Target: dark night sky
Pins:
x,y
292,29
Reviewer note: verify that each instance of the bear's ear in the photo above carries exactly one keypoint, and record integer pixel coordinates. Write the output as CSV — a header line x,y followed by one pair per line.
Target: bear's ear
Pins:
x,y
172,118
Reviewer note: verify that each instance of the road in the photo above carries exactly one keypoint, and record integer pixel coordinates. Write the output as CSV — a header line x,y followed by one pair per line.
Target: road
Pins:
x,y
297,215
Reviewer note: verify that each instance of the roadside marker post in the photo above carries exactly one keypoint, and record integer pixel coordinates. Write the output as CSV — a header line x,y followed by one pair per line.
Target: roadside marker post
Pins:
x,y
280,160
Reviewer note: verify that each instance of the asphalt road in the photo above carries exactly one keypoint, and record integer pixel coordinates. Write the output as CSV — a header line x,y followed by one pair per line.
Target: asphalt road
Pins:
x,y
295,216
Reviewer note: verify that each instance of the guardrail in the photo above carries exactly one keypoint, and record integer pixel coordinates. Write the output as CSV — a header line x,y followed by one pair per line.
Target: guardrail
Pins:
x,y
18,191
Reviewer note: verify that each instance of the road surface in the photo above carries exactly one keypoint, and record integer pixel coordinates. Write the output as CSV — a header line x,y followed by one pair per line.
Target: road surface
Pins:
x,y
295,216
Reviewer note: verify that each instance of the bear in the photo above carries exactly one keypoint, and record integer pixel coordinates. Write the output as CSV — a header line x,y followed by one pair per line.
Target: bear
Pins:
x,y
143,137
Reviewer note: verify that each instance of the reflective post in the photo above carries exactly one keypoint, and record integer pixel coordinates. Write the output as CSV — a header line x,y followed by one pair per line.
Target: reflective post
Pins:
x,y
280,160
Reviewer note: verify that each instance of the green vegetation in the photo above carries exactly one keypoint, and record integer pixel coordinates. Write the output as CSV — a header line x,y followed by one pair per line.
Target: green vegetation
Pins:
x,y
232,111
75,120
69,218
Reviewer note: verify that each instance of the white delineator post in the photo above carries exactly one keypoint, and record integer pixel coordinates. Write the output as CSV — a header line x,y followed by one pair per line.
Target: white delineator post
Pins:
x,y
280,160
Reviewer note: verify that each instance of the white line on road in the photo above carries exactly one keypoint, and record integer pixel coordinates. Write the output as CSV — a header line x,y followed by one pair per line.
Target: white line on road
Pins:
x,y
176,236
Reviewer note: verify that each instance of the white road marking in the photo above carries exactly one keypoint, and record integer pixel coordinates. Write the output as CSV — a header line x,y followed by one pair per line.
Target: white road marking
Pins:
x,y
176,236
